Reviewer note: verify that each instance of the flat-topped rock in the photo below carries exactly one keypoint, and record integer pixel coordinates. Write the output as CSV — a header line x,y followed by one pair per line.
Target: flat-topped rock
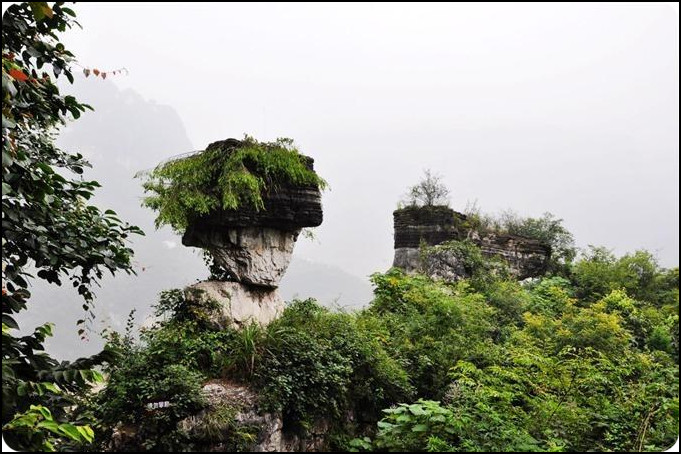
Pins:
x,y
434,225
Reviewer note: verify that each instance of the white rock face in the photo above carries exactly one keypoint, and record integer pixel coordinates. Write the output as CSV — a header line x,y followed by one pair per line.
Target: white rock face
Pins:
x,y
254,255
437,265
270,435
242,304
407,258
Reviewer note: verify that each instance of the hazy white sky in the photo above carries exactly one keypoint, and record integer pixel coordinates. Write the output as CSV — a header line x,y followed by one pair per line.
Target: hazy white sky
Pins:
x,y
567,108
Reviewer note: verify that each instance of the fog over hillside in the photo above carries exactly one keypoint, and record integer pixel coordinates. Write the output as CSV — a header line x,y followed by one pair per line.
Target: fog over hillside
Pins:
x,y
124,135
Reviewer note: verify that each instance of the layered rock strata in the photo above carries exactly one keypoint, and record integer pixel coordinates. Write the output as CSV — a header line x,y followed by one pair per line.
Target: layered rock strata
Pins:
x,y
434,225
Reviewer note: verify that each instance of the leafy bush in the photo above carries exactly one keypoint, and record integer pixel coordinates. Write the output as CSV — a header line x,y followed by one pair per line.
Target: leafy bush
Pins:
x,y
169,364
189,305
600,272
137,382
430,324
418,427
303,378
550,296
510,300
320,364
572,373
227,175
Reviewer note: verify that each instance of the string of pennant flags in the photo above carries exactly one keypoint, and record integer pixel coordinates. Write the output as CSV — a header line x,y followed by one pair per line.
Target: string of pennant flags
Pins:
x,y
19,75
103,74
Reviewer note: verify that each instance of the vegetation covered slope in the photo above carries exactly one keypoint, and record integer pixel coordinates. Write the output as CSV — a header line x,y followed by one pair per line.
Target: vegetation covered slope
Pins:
x,y
585,361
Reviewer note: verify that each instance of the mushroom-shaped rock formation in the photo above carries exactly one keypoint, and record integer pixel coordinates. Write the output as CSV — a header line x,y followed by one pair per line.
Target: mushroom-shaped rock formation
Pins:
x,y
435,225
259,197
255,246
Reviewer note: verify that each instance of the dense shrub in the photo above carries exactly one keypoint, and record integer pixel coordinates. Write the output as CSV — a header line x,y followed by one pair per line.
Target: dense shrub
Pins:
x,y
431,324
587,364
319,363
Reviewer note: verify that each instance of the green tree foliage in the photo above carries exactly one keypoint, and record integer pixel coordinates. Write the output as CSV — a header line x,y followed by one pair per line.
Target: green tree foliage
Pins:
x,y
457,366
422,426
318,363
575,371
308,364
639,274
36,423
431,323
224,176
585,359
47,225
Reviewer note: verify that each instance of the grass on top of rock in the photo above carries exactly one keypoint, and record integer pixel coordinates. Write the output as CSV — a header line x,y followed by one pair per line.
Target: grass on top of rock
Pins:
x,y
228,175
